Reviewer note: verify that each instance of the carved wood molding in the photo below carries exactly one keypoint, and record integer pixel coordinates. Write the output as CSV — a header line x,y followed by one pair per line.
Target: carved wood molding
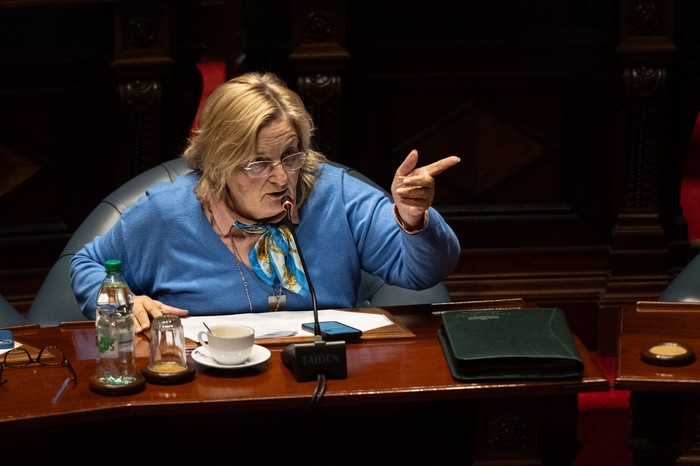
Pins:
x,y
507,431
646,91
319,56
645,50
141,35
139,124
141,63
639,250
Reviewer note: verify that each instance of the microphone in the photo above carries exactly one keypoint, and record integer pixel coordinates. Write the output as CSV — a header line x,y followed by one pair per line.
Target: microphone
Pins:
x,y
308,360
287,205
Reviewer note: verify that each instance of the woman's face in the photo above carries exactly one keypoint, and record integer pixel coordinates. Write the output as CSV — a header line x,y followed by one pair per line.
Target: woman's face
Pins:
x,y
260,199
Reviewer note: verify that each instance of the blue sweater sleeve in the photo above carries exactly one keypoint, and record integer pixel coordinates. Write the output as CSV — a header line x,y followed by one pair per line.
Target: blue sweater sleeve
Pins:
x,y
415,261
143,238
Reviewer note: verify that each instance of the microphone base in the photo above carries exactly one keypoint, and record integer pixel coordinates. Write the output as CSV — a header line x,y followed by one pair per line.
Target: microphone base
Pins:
x,y
307,360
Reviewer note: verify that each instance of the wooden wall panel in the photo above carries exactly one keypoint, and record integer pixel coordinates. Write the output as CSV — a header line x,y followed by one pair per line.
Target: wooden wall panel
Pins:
x,y
571,119
567,193
91,93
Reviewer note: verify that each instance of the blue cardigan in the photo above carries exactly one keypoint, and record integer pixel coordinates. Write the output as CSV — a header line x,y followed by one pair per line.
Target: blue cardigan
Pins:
x,y
170,252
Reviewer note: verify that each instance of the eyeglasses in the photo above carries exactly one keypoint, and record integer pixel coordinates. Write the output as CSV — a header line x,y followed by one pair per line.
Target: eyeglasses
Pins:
x,y
48,356
263,168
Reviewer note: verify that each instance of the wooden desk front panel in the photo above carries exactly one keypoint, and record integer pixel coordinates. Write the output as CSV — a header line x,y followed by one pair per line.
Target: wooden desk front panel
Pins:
x,y
650,322
665,401
396,389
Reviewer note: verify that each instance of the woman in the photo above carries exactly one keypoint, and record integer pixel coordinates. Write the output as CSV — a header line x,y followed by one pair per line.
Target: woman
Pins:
x,y
211,242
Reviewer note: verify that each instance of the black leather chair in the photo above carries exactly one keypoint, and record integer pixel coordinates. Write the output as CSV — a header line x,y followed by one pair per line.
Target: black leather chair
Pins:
x,y
685,287
9,316
56,303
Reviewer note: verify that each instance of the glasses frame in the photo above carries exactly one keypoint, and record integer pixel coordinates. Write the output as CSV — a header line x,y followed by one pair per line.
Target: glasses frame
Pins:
x,y
271,166
30,360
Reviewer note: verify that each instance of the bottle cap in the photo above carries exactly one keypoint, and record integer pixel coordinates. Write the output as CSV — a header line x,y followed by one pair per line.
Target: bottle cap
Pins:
x,y
113,265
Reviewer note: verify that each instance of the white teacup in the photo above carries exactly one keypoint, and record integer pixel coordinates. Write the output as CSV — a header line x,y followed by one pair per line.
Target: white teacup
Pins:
x,y
229,344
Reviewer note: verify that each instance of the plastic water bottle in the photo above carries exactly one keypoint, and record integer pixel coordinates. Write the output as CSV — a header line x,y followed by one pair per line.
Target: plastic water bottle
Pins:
x,y
114,330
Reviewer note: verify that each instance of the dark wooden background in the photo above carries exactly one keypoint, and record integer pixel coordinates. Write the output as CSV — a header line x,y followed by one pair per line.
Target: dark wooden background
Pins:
x,y
571,117
91,93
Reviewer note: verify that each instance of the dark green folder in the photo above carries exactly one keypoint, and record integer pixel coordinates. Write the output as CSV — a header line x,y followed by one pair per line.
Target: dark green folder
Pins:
x,y
518,344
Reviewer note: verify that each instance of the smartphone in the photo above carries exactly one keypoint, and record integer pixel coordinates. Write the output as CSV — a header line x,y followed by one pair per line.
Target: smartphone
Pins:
x,y
6,340
334,331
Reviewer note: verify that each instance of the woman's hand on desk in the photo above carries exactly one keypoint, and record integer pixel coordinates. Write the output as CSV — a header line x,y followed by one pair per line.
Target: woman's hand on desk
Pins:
x,y
146,308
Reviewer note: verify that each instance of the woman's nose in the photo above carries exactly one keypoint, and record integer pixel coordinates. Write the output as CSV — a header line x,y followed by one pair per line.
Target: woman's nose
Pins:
x,y
278,173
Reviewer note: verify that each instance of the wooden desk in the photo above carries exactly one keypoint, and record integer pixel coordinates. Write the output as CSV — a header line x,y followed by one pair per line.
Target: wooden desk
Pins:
x,y
665,401
398,405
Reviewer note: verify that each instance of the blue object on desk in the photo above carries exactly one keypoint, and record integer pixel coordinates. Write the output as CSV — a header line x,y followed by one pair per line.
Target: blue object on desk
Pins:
x,y
6,340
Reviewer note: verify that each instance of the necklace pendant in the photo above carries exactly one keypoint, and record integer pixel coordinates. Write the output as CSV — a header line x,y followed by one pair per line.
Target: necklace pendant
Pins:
x,y
277,303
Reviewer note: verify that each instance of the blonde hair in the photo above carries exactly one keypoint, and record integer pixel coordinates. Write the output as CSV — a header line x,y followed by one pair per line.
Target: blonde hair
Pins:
x,y
231,119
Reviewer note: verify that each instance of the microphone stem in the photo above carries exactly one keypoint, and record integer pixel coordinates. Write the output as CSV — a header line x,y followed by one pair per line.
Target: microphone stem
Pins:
x,y
317,326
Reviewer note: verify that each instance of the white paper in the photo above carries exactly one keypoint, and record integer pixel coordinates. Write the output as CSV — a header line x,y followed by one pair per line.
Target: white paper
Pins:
x,y
284,323
17,345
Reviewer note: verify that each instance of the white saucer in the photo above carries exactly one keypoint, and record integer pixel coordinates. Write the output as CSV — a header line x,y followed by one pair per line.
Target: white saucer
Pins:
x,y
259,355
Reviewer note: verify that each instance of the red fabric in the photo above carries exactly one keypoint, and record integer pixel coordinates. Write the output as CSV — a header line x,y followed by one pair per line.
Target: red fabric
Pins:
x,y
602,423
213,74
611,400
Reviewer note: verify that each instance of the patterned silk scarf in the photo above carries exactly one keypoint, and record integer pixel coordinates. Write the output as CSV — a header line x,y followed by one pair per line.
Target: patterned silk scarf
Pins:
x,y
275,257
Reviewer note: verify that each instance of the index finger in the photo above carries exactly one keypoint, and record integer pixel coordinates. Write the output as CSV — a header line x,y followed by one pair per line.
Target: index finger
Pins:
x,y
175,311
441,165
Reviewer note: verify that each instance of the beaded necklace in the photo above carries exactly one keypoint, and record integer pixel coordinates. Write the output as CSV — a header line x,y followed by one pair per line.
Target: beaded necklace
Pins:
x,y
278,301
